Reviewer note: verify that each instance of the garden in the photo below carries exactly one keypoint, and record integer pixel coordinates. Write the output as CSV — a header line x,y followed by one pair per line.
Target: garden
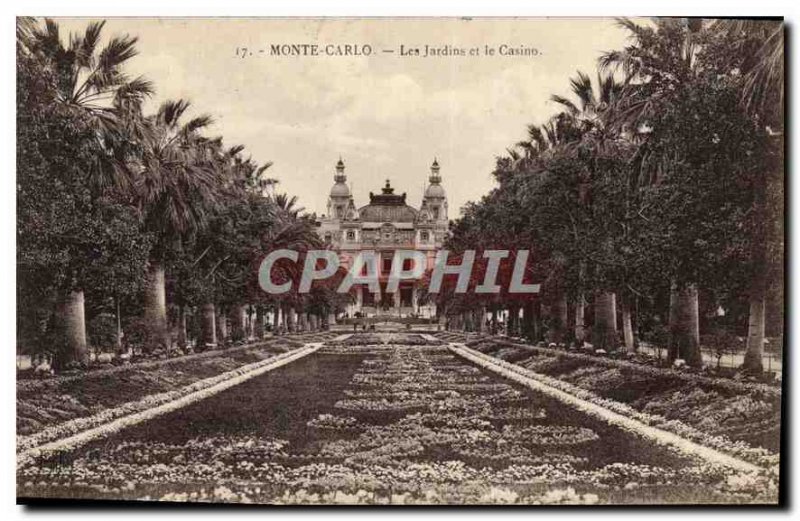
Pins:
x,y
385,423
50,407
740,411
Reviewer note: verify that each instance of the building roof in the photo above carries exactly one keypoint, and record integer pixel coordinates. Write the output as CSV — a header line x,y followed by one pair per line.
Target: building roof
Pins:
x,y
387,214
387,207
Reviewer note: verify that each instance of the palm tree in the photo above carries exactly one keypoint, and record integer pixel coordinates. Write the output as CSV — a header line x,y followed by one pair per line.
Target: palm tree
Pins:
x,y
177,183
763,69
655,75
288,205
588,130
761,43
91,84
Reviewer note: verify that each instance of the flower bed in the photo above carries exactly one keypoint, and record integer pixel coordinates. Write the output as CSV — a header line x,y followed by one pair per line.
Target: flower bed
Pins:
x,y
47,403
665,431
740,411
281,438
68,435
379,339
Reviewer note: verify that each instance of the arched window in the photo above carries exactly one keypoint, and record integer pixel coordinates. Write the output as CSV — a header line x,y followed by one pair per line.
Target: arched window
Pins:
x,y
351,235
436,212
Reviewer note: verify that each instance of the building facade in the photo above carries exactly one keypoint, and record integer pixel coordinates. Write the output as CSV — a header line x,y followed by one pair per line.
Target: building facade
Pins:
x,y
386,224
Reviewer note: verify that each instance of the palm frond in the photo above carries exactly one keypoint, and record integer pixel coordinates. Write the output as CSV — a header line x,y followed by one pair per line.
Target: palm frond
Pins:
x,y
85,47
565,102
171,111
582,87
118,50
197,123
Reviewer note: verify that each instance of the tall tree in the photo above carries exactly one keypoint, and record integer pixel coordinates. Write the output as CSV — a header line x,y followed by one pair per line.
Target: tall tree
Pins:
x,y
86,84
700,149
758,56
597,140
660,61
177,183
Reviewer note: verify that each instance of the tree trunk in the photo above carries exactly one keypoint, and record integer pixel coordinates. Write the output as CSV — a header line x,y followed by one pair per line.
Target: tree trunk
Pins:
x,y
238,326
208,326
559,319
118,342
155,308
222,328
303,322
766,254
684,326
182,327
290,319
72,318
276,319
526,326
248,332
580,305
580,319
605,321
753,362
258,328
627,326
534,329
479,319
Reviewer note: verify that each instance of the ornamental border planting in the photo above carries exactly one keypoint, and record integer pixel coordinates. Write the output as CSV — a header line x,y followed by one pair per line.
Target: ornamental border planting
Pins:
x,y
722,383
591,404
72,434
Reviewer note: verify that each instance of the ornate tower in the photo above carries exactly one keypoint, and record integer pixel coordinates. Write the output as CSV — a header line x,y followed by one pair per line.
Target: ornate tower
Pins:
x,y
435,198
339,198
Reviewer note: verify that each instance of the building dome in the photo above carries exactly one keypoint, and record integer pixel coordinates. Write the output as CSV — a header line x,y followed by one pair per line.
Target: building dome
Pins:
x,y
387,207
434,190
340,190
340,182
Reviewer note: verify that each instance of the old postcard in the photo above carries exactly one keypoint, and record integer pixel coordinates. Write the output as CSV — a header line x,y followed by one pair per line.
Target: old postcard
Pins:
x,y
400,261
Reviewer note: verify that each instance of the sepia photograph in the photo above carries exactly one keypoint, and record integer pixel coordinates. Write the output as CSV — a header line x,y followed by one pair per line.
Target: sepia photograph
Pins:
x,y
400,261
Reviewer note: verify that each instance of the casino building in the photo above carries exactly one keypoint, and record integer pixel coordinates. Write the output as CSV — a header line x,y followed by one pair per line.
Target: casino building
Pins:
x,y
387,223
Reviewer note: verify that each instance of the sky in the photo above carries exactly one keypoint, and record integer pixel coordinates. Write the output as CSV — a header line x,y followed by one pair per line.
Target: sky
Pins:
x,y
385,114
